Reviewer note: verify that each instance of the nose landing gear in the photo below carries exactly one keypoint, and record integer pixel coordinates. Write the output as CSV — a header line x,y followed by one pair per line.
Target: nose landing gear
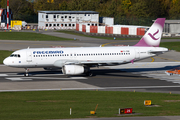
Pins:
x,y
26,74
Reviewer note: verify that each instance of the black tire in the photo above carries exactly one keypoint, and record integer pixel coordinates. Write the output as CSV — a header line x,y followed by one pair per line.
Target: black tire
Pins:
x,y
26,74
90,74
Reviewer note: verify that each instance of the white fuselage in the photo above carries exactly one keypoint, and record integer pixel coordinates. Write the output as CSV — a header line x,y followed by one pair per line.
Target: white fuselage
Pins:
x,y
46,57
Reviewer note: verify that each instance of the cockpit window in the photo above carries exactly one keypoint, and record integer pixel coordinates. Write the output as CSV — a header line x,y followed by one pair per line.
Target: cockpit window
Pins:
x,y
15,55
12,55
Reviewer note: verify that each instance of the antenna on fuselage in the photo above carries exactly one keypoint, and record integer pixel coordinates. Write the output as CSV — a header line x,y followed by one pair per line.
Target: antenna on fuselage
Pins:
x,y
28,47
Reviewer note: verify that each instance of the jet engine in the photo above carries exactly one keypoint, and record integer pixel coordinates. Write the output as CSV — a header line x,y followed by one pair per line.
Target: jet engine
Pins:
x,y
74,69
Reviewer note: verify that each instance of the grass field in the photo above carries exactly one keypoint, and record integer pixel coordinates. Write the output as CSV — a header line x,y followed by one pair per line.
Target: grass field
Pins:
x,y
99,37
29,36
171,45
56,104
4,54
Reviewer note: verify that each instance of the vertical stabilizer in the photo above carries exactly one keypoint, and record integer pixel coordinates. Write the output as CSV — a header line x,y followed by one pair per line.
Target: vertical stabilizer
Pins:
x,y
152,37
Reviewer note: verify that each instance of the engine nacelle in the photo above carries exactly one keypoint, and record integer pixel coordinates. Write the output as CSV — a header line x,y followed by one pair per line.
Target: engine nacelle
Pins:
x,y
74,69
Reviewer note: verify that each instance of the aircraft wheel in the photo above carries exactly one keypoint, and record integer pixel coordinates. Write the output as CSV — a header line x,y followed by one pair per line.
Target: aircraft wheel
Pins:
x,y
26,74
90,74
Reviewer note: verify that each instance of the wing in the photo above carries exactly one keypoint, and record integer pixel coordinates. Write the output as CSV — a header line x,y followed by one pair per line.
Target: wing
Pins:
x,y
61,63
95,62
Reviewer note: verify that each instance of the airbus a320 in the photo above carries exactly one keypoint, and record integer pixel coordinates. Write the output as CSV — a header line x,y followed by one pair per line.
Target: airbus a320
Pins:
x,y
79,60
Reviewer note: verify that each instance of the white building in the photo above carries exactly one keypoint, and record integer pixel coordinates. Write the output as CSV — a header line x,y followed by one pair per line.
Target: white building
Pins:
x,y
66,19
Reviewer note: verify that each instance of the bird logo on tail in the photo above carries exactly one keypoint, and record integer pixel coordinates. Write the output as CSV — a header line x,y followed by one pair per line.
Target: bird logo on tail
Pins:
x,y
152,36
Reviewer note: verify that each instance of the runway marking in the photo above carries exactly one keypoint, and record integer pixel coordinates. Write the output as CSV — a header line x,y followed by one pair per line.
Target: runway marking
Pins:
x,y
31,78
1,75
152,60
17,79
109,43
95,88
20,75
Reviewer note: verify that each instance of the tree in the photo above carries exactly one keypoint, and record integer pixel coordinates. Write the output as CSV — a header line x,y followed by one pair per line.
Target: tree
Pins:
x,y
63,6
174,11
22,10
3,3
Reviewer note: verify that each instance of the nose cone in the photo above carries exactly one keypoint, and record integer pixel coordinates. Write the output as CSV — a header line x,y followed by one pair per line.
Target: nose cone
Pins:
x,y
5,61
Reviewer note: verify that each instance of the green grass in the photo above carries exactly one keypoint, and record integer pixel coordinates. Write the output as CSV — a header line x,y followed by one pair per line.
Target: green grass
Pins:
x,y
4,54
56,104
171,45
99,37
29,36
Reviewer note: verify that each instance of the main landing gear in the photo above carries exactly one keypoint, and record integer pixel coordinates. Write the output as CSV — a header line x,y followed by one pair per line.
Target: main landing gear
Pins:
x,y
26,74
90,74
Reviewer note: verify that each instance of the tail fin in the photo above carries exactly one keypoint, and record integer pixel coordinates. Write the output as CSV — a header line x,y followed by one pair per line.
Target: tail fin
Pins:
x,y
152,37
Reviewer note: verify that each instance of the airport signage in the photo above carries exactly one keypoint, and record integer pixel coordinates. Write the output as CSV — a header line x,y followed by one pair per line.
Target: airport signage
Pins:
x,y
147,102
126,111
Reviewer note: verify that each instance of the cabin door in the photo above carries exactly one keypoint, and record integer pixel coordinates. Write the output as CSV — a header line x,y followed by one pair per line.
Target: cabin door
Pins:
x,y
28,56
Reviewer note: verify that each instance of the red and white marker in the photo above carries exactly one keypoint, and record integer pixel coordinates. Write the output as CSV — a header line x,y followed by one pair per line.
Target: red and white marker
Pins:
x,y
7,14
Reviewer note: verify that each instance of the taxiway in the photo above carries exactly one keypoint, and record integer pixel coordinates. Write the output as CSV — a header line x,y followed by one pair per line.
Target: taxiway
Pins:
x,y
145,76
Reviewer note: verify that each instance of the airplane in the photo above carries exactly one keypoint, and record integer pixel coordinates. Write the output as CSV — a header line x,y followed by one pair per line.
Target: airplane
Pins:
x,y
75,61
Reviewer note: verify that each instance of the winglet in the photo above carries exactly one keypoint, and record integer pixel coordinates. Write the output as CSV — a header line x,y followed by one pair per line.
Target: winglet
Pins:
x,y
152,37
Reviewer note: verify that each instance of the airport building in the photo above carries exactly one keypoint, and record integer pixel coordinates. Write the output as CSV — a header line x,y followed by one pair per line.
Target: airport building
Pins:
x,y
172,26
66,19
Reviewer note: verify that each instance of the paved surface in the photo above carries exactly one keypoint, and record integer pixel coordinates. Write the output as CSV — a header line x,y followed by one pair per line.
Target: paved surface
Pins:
x,y
133,118
140,76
